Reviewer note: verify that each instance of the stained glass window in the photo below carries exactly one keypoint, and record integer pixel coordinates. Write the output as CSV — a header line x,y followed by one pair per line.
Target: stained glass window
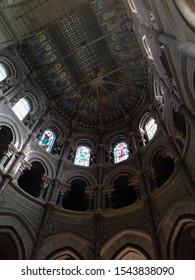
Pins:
x,y
150,128
47,140
82,156
22,108
3,72
121,152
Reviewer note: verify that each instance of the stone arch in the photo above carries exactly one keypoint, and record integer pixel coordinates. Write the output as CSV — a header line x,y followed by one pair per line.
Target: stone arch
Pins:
x,y
60,242
149,153
118,171
16,227
133,238
15,129
171,223
70,175
44,160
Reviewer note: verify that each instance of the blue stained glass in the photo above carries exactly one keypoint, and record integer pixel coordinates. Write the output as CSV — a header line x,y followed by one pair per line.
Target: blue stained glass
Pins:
x,y
82,156
121,152
47,140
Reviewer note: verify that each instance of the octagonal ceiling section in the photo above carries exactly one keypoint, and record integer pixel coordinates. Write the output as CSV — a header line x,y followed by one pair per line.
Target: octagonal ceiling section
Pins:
x,y
90,64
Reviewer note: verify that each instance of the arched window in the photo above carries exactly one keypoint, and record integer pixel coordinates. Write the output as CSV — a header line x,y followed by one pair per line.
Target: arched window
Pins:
x,y
120,151
3,72
150,128
147,47
132,6
83,155
47,140
22,108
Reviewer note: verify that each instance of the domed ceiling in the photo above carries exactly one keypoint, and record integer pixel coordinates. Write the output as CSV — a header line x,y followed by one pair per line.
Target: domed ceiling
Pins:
x,y
90,65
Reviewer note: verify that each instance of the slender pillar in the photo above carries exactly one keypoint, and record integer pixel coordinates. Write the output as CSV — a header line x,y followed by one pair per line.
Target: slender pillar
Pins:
x,y
19,158
52,197
64,189
145,191
89,194
48,208
44,186
98,223
184,47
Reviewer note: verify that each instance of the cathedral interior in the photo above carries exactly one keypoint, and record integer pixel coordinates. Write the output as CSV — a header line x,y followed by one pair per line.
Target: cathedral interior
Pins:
x,y
97,130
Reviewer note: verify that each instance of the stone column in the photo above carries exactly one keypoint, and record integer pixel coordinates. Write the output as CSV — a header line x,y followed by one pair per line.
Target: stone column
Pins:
x,y
134,184
25,165
145,196
90,195
132,142
64,189
98,225
109,191
7,155
20,157
57,186
151,177
45,218
44,186
184,47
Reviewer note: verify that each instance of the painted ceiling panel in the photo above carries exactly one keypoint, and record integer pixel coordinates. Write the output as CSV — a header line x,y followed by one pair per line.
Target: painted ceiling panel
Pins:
x,y
90,64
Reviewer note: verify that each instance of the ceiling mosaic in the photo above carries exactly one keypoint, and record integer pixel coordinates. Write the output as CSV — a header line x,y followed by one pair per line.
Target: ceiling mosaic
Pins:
x,y
90,64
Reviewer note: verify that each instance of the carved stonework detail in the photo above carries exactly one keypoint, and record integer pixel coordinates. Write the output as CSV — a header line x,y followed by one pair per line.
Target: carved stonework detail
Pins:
x,y
134,182
89,193
109,190
64,188
45,181
24,166
176,134
167,153
151,173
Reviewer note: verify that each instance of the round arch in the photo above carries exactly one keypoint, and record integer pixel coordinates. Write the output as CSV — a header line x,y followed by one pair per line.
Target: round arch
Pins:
x,y
16,227
71,175
172,221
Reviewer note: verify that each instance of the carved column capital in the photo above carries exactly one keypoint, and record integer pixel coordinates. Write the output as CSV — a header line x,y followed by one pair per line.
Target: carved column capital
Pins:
x,y
64,188
89,193
134,182
150,172
109,190
167,153
176,134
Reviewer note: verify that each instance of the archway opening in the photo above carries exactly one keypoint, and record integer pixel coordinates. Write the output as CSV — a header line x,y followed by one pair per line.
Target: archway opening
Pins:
x,y
75,199
123,194
30,181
